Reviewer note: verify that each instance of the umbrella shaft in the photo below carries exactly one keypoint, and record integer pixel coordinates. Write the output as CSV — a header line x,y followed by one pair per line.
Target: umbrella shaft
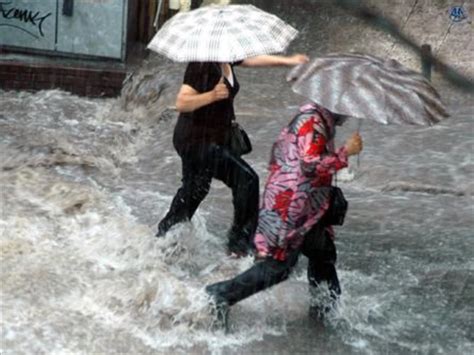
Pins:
x,y
359,125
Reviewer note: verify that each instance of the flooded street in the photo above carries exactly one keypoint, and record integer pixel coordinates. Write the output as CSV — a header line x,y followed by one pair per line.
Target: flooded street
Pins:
x,y
85,181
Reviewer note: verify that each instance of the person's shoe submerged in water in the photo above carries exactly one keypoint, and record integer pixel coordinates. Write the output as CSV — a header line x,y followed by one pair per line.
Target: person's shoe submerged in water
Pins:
x,y
320,311
219,310
163,227
166,224
161,233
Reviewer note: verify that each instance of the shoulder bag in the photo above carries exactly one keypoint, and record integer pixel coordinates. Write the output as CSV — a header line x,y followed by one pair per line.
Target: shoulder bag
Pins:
x,y
239,140
337,207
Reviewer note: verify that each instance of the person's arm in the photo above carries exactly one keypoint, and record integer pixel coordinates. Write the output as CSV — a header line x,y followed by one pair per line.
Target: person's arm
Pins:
x,y
275,60
315,160
189,99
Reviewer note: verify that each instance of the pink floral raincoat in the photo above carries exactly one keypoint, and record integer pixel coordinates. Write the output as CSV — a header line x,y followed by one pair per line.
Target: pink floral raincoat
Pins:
x,y
296,194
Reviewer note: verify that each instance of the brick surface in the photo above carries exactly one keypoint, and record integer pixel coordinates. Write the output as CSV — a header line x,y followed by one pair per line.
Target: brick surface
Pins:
x,y
79,81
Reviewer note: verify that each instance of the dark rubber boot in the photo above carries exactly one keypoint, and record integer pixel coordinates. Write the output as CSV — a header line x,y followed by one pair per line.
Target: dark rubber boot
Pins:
x,y
220,311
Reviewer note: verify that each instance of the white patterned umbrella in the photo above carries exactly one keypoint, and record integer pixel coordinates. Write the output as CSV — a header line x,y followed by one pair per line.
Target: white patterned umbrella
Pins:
x,y
222,34
369,87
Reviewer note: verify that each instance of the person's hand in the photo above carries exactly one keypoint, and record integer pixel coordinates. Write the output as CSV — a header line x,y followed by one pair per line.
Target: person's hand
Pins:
x,y
297,59
260,256
354,144
220,91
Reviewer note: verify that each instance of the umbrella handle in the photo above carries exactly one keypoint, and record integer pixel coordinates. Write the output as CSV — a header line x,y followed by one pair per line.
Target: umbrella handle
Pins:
x,y
359,125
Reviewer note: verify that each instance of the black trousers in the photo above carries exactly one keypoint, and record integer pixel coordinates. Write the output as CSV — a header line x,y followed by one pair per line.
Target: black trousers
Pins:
x,y
317,246
199,167
195,4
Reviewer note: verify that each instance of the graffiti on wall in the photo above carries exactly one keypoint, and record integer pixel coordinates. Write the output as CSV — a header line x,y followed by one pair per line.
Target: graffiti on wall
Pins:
x,y
25,20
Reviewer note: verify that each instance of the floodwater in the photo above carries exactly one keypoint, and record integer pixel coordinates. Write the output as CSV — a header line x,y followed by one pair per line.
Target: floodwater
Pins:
x,y
85,181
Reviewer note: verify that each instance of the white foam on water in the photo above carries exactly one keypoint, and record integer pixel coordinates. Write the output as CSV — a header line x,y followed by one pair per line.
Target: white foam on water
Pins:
x,y
84,260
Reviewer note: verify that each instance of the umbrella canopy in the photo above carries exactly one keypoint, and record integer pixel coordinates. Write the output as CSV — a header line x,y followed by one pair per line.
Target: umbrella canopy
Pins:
x,y
222,34
368,87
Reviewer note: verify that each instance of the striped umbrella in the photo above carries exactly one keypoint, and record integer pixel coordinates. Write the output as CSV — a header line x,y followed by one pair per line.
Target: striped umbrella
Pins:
x,y
222,34
368,87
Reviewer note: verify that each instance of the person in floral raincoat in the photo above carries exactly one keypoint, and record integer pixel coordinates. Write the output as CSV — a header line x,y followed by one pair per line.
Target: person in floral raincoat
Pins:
x,y
296,197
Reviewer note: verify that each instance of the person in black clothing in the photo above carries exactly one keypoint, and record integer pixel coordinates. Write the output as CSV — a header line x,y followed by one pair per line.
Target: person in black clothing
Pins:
x,y
201,138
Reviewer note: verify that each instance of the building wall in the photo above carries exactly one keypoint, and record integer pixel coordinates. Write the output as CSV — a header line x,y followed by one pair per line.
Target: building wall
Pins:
x,y
75,27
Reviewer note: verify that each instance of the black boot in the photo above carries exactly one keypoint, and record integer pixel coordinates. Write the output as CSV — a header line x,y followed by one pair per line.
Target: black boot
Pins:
x,y
163,227
320,309
219,310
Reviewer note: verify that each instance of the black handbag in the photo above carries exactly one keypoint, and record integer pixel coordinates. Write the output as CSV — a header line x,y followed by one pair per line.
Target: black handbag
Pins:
x,y
239,140
337,207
